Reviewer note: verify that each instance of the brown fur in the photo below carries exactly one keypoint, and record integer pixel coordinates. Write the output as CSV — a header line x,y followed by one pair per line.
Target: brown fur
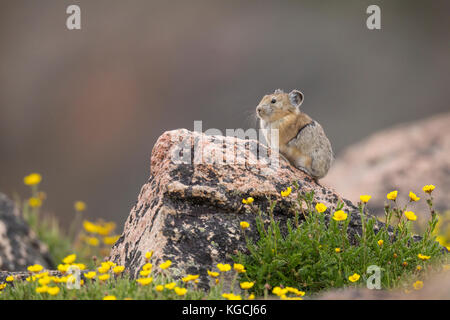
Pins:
x,y
311,151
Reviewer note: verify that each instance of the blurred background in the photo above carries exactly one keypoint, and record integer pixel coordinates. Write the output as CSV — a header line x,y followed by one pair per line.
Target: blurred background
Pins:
x,y
85,107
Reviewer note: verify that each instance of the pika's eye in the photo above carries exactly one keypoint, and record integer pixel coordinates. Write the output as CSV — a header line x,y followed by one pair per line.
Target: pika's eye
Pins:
x,y
273,100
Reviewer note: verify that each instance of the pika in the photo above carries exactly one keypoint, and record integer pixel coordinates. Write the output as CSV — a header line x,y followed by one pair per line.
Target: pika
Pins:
x,y
301,140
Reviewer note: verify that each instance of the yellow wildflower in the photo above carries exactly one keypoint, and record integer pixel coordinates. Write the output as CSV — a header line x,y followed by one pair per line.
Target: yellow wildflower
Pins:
x,y
35,202
70,259
110,240
320,207
410,215
53,291
41,289
41,275
295,291
79,206
413,197
428,188
355,277
213,274
148,255
92,241
63,268
44,281
159,288
2,286
251,297
147,266
80,266
244,225
103,277
165,264
31,279
104,267
35,268
145,273
380,242
231,296
365,198
180,291
32,179
339,215
223,267
106,228
418,285
419,268
337,250
392,195
239,268
286,192
249,200
190,277
90,274
423,257
118,269
90,227
59,280
278,291
145,281
170,285
9,278
246,285
109,298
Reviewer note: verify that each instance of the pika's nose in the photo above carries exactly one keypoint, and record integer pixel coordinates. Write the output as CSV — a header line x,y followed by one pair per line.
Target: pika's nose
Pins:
x,y
258,109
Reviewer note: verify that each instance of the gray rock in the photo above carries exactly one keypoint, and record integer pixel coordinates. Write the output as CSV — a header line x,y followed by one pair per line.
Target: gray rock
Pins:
x,y
19,246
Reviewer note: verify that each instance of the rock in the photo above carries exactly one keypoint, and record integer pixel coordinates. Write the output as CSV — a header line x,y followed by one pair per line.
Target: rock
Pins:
x,y
190,212
19,246
403,158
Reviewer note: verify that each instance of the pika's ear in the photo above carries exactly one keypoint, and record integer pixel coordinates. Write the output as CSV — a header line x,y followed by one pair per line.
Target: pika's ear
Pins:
x,y
296,98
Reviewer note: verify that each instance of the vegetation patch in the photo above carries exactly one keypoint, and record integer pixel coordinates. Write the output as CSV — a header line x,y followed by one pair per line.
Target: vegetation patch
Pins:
x,y
315,254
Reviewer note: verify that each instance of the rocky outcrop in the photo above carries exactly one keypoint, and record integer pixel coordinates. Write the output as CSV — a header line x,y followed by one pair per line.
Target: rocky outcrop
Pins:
x,y
189,211
19,246
403,158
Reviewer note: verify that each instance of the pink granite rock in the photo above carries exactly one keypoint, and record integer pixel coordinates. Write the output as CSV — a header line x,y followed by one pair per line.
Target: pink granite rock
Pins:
x,y
403,158
190,212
